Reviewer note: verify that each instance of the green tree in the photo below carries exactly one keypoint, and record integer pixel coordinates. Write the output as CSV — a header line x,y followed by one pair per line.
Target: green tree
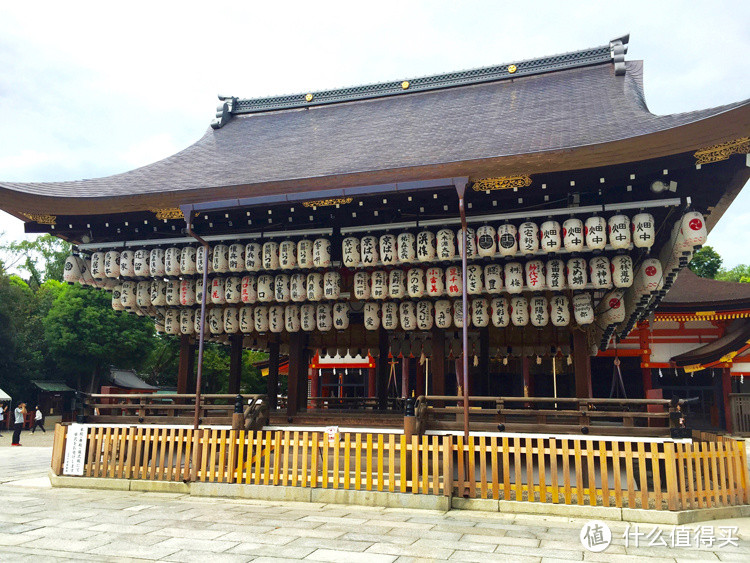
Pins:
x,y
740,273
706,262
41,259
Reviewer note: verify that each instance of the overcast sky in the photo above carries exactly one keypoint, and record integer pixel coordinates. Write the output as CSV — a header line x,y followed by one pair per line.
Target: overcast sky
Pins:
x,y
89,89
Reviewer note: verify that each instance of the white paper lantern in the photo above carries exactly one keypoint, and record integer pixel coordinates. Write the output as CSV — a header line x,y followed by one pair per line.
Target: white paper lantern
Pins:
x,y
486,241
307,317
446,244
396,284
288,255
596,233
117,298
341,315
199,291
187,293
276,318
172,261
369,250
197,325
172,321
128,294
188,261
534,270
649,276
158,293
314,286
321,253
424,315
407,312
97,266
372,315
500,312
618,227
361,285
426,246
528,237
573,235
281,288
72,269
143,294
379,284
513,277
249,289
323,316
406,246
551,236
260,318
471,247
86,277
218,292
220,258
331,285
140,263
434,282
126,264
253,257
600,272
265,288
351,253
297,287
611,308
415,282
173,293
539,311
443,313
560,310
480,312
458,316
493,278
555,274
454,281
112,264
622,270
231,320
247,322
271,255
474,281
642,228
693,228
519,311
291,318
215,319
200,256
305,254
390,315
233,290
236,257
583,311
187,321
507,239
577,275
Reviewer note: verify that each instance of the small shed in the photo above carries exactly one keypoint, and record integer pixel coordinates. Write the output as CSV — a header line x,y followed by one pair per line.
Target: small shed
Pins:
x,y
55,398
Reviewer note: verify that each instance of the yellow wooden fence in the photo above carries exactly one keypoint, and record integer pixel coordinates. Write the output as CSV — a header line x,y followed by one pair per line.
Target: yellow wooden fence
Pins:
x,y
622,473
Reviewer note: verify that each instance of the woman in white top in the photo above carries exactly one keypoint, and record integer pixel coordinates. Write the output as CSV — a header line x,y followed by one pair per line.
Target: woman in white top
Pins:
x,y
38,420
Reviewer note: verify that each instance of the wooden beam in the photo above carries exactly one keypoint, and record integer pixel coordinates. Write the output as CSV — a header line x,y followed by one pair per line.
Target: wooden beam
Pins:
x,y
185,368
581,365
298,373
235,363
272,380
405,377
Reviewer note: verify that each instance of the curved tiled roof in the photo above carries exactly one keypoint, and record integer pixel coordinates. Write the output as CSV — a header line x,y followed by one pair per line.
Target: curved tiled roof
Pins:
x,y
690,292
475,127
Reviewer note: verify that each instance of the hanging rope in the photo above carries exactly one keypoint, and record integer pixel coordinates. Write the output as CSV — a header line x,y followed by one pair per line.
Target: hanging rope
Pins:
x,y
618,385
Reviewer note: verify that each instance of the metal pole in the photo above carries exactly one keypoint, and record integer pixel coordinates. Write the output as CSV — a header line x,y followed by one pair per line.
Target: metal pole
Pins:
x,y
199,375
465,311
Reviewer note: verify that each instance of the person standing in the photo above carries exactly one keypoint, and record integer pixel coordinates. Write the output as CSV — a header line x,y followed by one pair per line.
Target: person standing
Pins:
x,y
2,416
19,413
38,420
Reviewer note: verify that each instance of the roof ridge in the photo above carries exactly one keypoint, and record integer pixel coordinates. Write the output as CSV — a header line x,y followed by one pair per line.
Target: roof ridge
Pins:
x,y
614,51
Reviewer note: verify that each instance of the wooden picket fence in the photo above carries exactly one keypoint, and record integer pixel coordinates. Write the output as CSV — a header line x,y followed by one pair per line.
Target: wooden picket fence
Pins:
x,y
661,475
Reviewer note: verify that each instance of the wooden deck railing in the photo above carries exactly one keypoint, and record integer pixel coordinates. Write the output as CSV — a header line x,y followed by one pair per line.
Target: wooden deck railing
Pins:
x,y
739,407
638,473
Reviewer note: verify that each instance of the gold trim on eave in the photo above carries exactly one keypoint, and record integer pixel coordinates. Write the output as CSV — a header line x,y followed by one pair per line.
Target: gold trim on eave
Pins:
x,y
722,151
168,213
41,218
701,316
328,202
502,183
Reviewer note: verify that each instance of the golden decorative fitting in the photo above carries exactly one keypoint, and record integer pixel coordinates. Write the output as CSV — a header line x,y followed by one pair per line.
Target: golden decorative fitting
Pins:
x,y
512,69
309,98
41,219
328,202
722,151
502,183
405,84
168,213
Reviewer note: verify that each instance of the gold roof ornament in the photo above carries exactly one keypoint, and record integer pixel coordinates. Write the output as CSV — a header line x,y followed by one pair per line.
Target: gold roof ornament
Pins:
x,y
168,213
42,219
512,69
722,151
328,202
308,97
405,84
502,183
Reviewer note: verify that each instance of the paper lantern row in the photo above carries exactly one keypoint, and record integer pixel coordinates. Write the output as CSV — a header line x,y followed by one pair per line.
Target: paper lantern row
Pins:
x,y
500,312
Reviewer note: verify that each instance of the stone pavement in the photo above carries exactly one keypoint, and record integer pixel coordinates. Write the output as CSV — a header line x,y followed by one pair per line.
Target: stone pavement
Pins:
x,y
40,523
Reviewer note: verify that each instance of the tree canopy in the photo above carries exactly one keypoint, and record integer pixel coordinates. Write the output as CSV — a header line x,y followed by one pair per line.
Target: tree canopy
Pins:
x,y
706,262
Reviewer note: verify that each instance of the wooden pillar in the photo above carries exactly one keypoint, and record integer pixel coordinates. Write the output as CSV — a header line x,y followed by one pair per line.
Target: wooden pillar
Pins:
x,y
437,384
421,376
298,368
644,338
235,364
405,377
483,371
726,389
383,369
185,378
581,365
372,389
315,384
272,380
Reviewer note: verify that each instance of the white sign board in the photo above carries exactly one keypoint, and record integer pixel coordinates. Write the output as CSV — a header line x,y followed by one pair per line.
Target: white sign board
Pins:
x,y
331,431
75,450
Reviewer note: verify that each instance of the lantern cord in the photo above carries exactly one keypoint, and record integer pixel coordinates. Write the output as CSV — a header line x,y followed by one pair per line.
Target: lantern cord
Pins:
x,y
618,385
